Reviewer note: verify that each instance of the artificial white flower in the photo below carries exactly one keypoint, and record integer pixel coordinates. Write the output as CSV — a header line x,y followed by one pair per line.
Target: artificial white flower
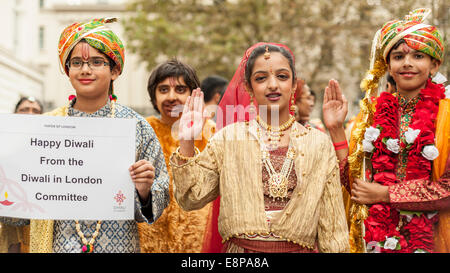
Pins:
x,y
392,145
431,214
439,78
372,247
411,135
447,92
367,146
390,243
409,217
430,152
371,134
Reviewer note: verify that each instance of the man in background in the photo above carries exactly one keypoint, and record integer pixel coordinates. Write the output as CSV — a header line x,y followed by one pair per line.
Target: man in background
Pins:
x,y
213,88
29,105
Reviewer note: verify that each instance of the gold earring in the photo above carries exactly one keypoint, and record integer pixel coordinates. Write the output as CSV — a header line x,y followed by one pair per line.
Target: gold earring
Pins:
x,y
293,106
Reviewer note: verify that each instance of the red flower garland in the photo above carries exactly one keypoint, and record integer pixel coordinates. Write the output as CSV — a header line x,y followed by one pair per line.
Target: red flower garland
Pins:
x,y
384,221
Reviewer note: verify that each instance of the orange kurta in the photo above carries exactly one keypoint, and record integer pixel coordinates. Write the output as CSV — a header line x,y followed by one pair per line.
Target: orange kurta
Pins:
x,y
176,231
442,234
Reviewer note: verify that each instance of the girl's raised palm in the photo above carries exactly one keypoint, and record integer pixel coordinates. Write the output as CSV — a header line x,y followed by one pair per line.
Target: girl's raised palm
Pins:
x,y
193,117
335,106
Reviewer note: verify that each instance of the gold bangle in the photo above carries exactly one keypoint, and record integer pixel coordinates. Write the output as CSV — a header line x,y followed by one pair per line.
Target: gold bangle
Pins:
x,y
186,158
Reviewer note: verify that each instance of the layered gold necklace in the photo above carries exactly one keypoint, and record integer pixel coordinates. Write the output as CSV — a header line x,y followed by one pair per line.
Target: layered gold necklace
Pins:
x,y
278,181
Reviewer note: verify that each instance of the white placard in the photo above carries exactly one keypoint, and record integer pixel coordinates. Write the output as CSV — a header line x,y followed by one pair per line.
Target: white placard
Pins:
x,y
65,168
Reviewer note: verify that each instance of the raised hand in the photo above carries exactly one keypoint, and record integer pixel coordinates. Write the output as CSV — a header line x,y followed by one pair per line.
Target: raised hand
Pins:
x,y
193,117
335,106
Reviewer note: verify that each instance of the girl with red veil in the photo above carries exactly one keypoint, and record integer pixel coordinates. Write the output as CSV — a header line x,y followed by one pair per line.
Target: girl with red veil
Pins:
x,y
235,94
277,192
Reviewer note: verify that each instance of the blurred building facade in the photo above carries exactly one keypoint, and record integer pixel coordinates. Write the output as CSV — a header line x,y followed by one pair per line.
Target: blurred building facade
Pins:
x,y
29,64
19,75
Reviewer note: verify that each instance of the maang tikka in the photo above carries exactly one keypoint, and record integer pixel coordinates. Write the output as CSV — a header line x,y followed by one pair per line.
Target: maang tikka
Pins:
x,y
267,53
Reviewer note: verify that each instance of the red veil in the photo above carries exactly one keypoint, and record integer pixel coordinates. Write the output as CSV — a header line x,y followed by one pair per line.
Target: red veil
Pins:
x,y
233,107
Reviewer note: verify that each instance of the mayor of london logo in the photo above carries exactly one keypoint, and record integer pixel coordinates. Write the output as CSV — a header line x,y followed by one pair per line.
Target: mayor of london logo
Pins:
x,y
120,197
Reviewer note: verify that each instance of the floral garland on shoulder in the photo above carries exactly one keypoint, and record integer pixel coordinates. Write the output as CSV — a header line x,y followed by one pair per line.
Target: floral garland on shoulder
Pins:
x,y
387,229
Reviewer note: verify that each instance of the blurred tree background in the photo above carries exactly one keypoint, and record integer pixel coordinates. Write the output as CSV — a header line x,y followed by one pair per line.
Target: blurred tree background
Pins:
x,y
329,38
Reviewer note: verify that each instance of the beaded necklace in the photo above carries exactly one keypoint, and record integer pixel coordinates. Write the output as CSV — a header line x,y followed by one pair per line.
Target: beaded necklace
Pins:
x,y
88,247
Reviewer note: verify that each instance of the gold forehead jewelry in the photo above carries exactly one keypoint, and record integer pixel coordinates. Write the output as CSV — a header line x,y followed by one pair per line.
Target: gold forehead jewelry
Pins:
x,y
267,53
267,57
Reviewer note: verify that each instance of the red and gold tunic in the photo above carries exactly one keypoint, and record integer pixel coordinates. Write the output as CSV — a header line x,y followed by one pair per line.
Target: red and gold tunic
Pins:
x,y
406,111
419,194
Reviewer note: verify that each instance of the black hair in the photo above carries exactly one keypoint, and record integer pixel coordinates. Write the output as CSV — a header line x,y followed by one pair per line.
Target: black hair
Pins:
x,y
212,85
396,45
260,50
32,99
313,94
391,80
171,69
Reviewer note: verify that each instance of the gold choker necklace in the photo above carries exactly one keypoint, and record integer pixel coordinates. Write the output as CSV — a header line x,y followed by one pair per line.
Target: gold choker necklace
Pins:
x,y
275,133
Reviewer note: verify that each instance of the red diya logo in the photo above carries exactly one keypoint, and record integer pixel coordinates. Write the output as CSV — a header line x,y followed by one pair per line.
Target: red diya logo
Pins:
x,y
6,202
120,197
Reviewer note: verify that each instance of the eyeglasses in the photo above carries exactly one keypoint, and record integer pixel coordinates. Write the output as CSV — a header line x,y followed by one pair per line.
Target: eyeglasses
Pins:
x,y
93,63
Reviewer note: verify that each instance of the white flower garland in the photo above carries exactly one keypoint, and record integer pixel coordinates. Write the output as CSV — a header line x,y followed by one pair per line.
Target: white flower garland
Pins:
x,y
430,152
